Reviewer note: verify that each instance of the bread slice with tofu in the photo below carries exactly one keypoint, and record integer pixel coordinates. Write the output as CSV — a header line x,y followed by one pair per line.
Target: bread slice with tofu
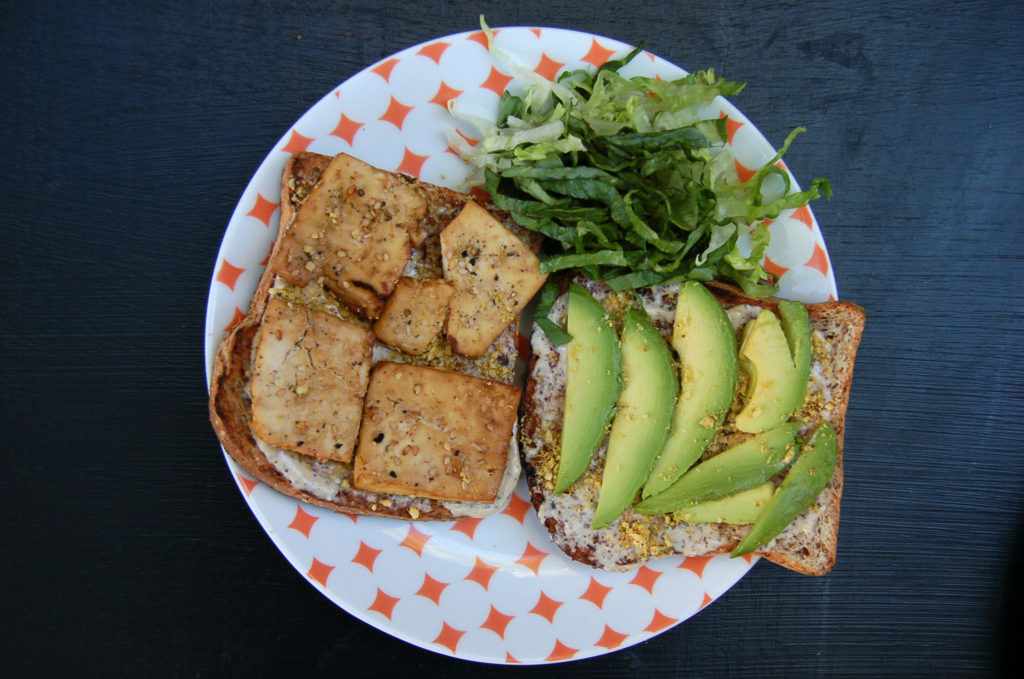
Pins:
x,y
808,545
347,325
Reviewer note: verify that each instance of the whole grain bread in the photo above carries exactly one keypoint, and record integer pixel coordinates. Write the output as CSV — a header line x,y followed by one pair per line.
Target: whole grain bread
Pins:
x,y
230,402
807,546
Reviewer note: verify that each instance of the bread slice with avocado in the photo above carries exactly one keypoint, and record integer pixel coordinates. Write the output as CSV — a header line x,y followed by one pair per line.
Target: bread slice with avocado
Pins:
x,y
340,387
806,545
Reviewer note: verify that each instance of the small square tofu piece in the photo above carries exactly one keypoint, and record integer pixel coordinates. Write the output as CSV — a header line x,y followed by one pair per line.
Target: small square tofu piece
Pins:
x,y
414,314
357,228
494,273
309,379
434,433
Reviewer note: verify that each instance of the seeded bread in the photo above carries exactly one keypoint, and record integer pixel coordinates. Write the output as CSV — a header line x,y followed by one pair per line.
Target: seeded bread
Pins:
x,y
807,546
324,482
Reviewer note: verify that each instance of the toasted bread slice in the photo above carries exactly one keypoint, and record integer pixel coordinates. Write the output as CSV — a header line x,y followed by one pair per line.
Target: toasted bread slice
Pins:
x,y
807,546
329,482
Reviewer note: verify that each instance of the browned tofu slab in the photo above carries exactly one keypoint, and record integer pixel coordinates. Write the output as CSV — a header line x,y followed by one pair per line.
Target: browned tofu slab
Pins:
x,y
494,274
310,375
357,228
434,433
414,314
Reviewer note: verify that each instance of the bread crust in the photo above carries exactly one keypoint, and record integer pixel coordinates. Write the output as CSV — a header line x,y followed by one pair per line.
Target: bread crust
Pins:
x,y
634,538
230,403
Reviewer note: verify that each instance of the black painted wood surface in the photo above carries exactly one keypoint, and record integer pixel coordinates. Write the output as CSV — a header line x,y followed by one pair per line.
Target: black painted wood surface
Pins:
x,y
130,129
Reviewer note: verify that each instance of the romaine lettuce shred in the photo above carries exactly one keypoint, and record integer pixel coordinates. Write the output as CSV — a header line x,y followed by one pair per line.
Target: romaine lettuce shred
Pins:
x,y
626,179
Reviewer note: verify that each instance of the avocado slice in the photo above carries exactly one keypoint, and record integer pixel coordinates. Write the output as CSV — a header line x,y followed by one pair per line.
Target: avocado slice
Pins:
x,y
777,384
593,383
705,342
641,424
804,481
742,508
796,324
741,467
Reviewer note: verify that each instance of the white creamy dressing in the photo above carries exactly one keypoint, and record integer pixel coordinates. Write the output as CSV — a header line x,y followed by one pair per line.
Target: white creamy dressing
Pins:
x,y
819,382
574,508
320,478
326,479
741,314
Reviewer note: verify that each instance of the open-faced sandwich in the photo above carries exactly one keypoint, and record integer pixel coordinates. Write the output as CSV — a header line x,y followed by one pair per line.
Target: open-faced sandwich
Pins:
x,y
689,419
373,373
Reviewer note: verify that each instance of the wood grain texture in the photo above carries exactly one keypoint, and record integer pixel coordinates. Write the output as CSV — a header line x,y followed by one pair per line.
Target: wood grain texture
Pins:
x,y
129,130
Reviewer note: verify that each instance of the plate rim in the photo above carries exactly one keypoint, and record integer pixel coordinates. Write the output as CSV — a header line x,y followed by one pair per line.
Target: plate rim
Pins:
x,y
214,336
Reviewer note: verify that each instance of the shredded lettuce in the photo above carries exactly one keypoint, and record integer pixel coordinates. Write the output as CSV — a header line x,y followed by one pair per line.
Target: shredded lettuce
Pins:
x,y
627,180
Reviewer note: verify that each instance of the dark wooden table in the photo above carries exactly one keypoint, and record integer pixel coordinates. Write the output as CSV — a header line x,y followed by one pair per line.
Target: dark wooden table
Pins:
x,y
130,129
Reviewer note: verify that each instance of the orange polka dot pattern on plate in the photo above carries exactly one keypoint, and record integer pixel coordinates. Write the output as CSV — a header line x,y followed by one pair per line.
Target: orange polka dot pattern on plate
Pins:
x,y
493,589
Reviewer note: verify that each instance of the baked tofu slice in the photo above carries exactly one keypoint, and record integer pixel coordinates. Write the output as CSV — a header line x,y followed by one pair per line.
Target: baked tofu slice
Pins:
x,y
357,229
494,274
433,433
309,379
414,314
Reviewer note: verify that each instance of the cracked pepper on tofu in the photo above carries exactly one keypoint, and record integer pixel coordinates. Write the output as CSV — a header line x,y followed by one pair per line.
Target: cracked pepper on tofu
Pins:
x,y
310,374
434,433
414,314
494,274
357,228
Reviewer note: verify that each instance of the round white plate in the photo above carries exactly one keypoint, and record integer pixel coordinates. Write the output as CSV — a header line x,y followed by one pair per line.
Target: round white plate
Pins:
x,y
492,590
